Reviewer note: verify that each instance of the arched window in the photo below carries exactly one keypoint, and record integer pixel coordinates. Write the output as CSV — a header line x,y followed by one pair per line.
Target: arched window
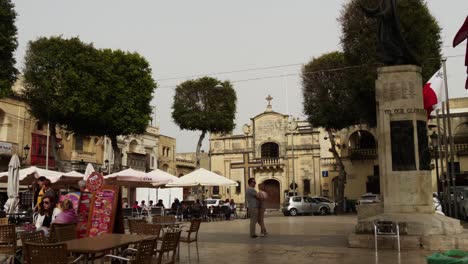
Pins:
x,y
133,146
461,134
270,150
361,139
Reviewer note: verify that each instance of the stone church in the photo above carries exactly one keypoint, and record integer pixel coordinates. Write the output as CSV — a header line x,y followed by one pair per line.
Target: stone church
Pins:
x,y
282,154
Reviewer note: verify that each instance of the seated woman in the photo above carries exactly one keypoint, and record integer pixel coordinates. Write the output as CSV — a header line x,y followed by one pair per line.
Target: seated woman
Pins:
x,y
160,203
47,213
68,214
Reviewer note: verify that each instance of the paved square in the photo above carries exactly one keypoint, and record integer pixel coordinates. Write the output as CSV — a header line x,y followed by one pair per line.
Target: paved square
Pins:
x,y
301,239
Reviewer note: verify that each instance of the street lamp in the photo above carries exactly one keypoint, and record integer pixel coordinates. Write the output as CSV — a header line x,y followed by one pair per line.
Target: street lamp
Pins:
x,y
292,128
106,162
435,147
82,166
26,152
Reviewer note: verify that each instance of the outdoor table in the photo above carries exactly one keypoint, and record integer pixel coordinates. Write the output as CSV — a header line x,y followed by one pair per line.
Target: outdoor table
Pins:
x,y
169,224
100,244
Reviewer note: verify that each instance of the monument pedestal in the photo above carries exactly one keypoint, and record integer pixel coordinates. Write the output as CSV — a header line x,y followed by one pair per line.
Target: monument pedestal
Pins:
x,y
404,163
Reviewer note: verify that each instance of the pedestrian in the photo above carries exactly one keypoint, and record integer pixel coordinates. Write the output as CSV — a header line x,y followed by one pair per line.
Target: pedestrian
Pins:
x,y
252,206
262,195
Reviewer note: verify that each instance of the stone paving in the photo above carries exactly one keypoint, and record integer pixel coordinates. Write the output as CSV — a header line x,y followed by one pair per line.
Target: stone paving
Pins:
x,y
302,239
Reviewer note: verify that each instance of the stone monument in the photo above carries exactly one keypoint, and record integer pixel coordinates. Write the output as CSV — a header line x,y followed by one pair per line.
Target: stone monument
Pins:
x,y
404,163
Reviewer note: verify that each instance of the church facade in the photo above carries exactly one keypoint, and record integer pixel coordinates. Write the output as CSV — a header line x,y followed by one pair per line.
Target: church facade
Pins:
x,y
283,156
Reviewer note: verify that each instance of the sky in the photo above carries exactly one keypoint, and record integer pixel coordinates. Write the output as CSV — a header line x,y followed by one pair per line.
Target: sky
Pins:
x,y
258,45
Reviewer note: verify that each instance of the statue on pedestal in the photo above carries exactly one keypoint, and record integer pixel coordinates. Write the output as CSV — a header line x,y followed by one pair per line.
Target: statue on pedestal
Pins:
x,y
394,49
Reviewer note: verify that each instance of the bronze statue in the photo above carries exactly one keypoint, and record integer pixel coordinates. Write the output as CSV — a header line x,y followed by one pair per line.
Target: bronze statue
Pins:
x,y
393,47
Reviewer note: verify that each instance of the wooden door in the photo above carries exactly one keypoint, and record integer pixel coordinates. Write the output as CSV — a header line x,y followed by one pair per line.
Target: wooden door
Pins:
x,y
272,188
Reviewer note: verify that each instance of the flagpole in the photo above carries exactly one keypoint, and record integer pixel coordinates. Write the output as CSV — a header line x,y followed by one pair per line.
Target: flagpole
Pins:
x,y
447,176
47,147
449,127
438,153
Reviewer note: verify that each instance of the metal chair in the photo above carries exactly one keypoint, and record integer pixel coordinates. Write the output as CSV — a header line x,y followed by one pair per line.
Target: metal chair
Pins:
x,y
164,219
65,233
7,239
136,226
143,253
169,245
34,237
192,235
56,253
386,229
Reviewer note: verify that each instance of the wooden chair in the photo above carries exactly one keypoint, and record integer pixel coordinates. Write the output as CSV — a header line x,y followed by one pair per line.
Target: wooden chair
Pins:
x,y
34,237
143,253
192,235
56,253
170,242
7,239
151,229
65,233
52,233
164,219
4,221
136,226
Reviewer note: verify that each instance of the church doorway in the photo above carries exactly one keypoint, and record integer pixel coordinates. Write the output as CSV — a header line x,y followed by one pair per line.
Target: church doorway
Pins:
x,y
272,188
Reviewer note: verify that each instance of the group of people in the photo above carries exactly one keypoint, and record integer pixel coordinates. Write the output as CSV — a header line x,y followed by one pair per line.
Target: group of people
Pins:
x,y
47,211
256,208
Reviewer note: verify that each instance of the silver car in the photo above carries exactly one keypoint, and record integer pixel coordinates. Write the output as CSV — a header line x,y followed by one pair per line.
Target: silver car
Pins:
x,y
295,205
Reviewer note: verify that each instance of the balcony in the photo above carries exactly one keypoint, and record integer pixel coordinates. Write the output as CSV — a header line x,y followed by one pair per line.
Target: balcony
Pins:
x,y
328,161
88,157
362,154
40,160
269,163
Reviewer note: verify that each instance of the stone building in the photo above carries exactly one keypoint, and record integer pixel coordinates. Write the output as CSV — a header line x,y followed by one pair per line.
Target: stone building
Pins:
x,y
166,154
274,150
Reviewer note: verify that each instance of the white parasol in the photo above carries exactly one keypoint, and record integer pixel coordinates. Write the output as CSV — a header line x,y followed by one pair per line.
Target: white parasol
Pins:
x,y
201,177
13,184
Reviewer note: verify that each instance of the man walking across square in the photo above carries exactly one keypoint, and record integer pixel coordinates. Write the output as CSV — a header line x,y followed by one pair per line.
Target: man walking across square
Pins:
x,y
252,205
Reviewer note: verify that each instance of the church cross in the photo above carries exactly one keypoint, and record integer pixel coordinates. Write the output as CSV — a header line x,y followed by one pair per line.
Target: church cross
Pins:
x,y
246,165
269,98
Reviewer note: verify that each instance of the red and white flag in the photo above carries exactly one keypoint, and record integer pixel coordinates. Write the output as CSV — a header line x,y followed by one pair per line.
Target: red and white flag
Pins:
x,y
434,92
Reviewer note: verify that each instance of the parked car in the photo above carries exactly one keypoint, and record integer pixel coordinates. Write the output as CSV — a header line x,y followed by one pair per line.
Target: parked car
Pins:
x,y
295,205
368,198
210,202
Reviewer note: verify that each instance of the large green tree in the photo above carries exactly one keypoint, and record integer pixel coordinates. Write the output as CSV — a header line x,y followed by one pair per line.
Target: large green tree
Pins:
x,y
8,45
86,90
55,70
328,102
359,39
205,104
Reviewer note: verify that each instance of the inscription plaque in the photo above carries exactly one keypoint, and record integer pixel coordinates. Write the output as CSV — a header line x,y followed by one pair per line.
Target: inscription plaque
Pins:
x,y
423,146
402,142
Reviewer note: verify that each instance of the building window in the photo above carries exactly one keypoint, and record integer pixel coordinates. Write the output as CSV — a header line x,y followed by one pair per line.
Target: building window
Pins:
x,y
306,183
215,189
238,187
78,143
152,162
40,126
270,150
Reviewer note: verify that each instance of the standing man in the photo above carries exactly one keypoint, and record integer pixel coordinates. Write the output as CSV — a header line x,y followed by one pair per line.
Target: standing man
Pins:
x,y
252,205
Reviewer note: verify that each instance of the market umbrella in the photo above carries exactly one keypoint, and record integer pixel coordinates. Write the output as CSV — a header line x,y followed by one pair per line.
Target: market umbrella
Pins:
x,y
13,184
29,175
130,178
201,177
160,177
88,171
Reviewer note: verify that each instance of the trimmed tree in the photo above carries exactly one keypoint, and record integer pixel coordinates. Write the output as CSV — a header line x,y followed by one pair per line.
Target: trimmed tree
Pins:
x,y
8,45
88,91
328,102
359,39
205,104
55,70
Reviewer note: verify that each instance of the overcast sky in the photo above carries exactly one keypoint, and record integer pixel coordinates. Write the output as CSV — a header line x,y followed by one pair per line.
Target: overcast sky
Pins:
x,y
181,39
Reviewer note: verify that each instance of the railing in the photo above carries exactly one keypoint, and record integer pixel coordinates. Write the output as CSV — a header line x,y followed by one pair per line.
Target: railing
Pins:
x,y
362,154
460,149
271,161
328,161
83,155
